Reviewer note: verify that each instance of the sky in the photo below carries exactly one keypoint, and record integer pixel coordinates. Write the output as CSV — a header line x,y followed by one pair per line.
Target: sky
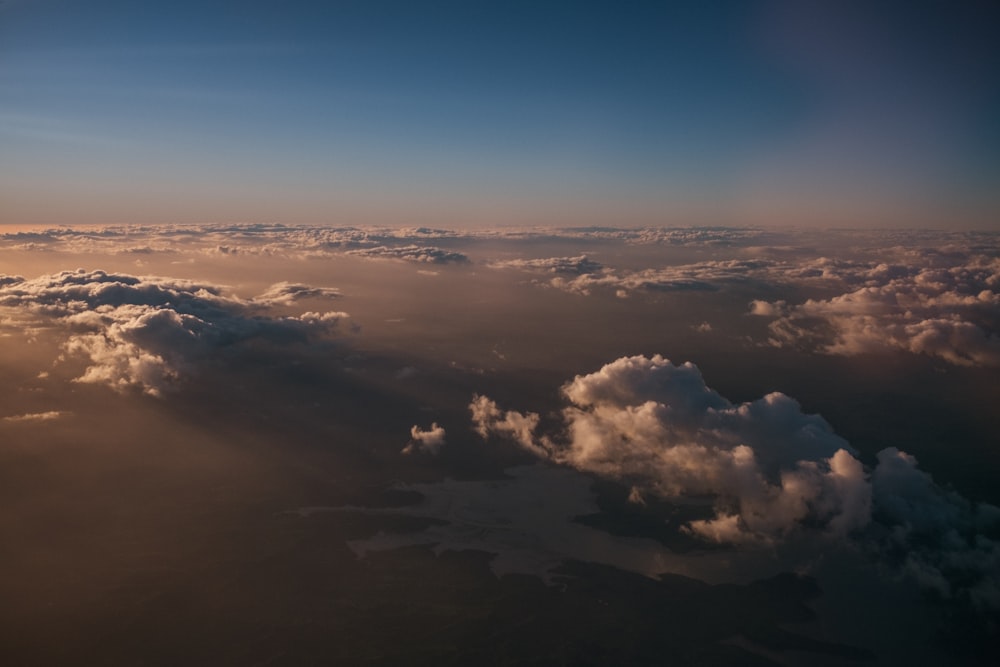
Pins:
x,y
847,114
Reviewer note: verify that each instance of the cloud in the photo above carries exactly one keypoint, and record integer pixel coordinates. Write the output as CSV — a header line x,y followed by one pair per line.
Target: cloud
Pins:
x,y
699,276
231,240
579,265
946,543
35,416
430,441
412,253
285,294
772,471
949,309
767,309
658,428
148,332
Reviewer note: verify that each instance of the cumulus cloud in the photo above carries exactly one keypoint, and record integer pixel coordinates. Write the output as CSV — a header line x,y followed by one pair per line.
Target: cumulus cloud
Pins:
x,y
147,332
658,428
430,441
772,470
949,309
946,543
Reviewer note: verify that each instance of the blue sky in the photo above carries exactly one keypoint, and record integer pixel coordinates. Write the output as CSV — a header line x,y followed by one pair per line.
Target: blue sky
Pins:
x,y
846,114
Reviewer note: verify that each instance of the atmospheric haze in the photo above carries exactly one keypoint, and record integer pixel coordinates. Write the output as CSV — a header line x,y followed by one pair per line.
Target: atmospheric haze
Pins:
x,y
306,444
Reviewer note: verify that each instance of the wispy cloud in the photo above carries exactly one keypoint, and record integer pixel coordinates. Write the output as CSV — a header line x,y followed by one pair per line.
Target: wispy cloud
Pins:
x,y
36,416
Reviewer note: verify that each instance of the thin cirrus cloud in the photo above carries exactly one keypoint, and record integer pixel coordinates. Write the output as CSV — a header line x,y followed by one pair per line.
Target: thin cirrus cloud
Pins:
x,y
148,332
775,472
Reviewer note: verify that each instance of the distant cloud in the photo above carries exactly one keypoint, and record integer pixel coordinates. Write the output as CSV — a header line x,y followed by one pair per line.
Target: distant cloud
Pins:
x,y
147,332
579,265
773,471
412,253
35,416
285,294
766,308
408,243
948,308
430,441
700,276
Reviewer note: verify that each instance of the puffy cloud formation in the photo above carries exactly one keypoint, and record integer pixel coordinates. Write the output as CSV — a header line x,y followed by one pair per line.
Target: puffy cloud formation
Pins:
x,y
946,543
146,332
658,428
772,470
430,441
948,308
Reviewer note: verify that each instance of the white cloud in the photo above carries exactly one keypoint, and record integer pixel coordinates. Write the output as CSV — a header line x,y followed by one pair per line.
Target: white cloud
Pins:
x,y
950,312
430,441
657,427
148,332
772,470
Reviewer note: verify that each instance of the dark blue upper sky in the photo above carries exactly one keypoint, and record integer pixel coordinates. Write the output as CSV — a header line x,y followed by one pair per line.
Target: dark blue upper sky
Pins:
x,y
839,113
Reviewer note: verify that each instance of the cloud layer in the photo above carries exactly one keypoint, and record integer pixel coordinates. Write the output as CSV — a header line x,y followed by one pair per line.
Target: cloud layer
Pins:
x,y
147,332
772,470
943,306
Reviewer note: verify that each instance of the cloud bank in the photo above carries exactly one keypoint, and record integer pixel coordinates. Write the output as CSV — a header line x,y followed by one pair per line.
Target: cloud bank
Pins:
x,y
948,308
771,470
147,332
